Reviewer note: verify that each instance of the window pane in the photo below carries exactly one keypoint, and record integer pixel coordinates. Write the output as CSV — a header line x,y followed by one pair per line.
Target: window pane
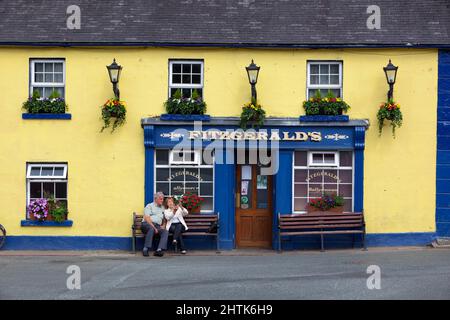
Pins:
x,y
162,174
39,67
58,77
176,68
300,175
200,92
334,69
345,158
176,188
315,176
49,77
177,156
348,205
38,77
328,158
61,190
299,204
206,174
330,176
35,171
162,187
334,79
207,205
315,190
196,68
162,157
345,176
59,171
191,187
186,93
314,69
301,190
196,79
191,174
49,189
206,189
176,174
176,78
35,190
329,188
324,68
47,171
324,79
40,90
300,158
189,156
59,67
186,78
314,80
48,67
186,68
346,190
317,157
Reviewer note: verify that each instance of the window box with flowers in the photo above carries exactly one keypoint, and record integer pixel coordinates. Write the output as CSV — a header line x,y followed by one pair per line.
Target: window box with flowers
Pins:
x,y
332,203
191,201
54,107
325,109
180,108
47,213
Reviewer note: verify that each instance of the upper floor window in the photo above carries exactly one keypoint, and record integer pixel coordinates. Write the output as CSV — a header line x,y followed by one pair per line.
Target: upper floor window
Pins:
x,y
47,75
186,75
324,76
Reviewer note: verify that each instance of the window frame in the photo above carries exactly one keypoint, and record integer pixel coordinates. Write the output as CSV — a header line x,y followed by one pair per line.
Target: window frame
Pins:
x,y
311,163
50,179
338,167
196,160
183,85
184,166
310,86
34,84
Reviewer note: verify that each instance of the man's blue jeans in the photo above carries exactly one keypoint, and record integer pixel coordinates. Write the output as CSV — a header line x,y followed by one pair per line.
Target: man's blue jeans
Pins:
x,y
149,233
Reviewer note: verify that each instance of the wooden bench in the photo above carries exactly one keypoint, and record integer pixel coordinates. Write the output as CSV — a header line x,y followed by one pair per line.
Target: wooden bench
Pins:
x,y
198,225
321,223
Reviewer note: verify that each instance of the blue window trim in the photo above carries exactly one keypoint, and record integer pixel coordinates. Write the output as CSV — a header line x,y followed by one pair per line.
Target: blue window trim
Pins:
x,y
323,118
35,223
46,116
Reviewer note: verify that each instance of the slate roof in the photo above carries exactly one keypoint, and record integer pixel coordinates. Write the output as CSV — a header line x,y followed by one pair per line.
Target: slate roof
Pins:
x,y
246,23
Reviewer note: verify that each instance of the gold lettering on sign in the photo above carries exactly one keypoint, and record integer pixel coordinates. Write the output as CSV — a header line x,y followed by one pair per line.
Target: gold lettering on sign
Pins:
x,y
275,136
301,136
315,136
287,137
251,135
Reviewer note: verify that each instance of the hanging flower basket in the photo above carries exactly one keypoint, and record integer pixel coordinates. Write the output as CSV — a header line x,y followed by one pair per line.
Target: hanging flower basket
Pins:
x,y
113,110
252,113
389,111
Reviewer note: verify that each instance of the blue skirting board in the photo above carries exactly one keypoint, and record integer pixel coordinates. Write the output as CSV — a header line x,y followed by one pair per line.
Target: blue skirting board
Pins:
x,y
207,243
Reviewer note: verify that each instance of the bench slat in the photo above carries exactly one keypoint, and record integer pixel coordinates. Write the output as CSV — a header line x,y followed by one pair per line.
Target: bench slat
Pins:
x,y
324,226
320,232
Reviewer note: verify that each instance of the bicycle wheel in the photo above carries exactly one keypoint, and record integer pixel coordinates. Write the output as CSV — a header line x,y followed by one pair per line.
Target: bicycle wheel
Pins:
x,y
2,236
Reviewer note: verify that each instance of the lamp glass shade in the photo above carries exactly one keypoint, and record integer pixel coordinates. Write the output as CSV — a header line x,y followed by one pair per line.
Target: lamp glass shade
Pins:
x,y
391,73
252,72
114,71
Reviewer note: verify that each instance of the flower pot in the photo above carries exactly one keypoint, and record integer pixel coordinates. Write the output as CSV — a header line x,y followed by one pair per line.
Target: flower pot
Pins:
x,y
194,211
314,209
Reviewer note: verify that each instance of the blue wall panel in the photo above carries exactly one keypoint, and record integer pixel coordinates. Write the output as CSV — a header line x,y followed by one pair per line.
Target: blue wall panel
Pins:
x,y
443,146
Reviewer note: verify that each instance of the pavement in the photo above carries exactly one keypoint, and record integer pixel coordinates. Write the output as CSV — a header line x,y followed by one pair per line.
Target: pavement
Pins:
x,y
404,273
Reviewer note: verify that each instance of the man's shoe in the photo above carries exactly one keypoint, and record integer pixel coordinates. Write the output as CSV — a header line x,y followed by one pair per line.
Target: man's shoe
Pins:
x,y
158,253
145,252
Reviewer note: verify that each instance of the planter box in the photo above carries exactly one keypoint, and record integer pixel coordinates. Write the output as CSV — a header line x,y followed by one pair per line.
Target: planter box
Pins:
x,y
324,118
35,223
185,117
46,116
314,209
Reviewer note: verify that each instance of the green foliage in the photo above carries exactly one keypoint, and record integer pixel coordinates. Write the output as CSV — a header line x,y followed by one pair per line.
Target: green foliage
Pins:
x,y
52,104
113,110
177,104
330,105
57,209
327,202
252,113
389,111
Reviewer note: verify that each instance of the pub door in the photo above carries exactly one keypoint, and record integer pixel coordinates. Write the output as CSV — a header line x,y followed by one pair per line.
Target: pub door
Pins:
x,y
253,207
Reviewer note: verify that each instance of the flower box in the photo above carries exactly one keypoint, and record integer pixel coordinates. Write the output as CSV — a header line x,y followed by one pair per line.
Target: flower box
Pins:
x,y
46,116
310,209
185,117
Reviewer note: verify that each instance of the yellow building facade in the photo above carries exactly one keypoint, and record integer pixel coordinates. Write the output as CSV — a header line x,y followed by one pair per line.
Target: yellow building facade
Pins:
x,y
106,171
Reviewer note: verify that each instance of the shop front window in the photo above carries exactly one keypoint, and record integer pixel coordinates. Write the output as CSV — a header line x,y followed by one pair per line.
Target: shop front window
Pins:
x,y
180,172
318,173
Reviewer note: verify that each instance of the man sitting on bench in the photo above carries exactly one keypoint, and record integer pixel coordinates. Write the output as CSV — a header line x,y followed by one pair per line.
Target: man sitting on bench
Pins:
x,y
152,224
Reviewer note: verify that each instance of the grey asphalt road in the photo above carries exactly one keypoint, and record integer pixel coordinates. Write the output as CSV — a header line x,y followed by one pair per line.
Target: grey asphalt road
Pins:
x,y
405,274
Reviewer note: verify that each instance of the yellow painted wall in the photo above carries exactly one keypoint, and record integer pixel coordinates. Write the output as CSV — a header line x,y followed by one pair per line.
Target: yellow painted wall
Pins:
x,y
106,171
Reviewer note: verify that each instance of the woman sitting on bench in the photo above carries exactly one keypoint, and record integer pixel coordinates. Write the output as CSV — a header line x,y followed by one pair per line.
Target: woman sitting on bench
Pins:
x,y
175,222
